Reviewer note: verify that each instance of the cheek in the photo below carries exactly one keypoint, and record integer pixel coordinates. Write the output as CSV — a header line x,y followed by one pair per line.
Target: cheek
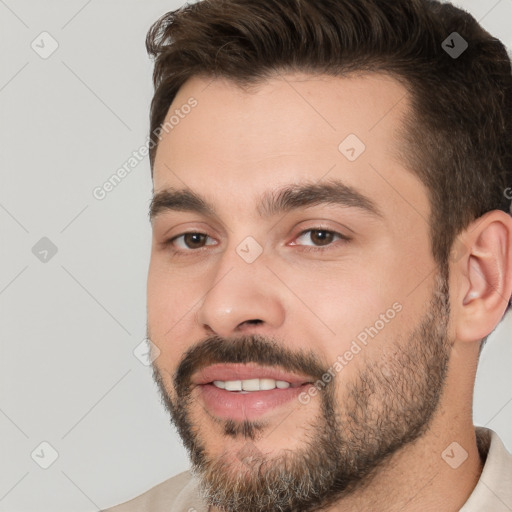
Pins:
x,y
351,309
345,299
170,307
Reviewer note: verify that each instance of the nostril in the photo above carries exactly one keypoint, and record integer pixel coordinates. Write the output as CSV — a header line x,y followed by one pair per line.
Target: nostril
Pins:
x,y
256,321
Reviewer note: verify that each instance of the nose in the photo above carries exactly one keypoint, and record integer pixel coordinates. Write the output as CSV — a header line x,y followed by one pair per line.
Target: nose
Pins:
x,y
242,297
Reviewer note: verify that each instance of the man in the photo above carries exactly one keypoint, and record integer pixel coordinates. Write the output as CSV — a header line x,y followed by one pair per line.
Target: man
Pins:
x,y
332,245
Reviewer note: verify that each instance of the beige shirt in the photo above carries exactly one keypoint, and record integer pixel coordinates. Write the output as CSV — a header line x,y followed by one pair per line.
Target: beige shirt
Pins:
x,y
493,493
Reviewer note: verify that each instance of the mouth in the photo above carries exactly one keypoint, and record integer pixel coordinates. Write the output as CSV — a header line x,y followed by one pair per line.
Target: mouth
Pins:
x,y
246,392
252,385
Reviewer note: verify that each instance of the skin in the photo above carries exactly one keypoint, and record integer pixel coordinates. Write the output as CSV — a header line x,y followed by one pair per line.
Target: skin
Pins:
x,y
236,145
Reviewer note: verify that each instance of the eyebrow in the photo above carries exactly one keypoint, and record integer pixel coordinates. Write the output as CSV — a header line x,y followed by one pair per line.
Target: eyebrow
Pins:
x,y
284,200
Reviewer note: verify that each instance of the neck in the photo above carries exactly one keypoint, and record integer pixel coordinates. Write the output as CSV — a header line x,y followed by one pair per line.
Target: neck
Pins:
x,y
420,477
426,475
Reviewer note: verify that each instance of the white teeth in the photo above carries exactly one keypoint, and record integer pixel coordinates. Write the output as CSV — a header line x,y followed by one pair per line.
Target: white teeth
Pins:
x,y
266,384
233,385
251,384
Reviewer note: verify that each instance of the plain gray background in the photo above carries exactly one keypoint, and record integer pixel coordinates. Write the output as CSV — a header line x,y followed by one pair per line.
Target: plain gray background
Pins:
x,y
72,320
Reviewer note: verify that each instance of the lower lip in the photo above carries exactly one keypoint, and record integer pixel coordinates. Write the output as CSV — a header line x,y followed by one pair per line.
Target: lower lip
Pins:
x,y
246,406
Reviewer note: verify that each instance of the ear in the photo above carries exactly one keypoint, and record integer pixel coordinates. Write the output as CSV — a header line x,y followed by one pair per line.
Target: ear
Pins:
x,y
483,275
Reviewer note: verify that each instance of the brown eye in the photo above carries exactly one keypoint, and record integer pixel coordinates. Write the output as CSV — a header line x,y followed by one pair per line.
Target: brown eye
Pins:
x,y
318,238
321,237
194,240
188,242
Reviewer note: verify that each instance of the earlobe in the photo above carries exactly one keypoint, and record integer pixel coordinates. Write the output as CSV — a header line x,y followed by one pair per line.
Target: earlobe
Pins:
x,y
487,276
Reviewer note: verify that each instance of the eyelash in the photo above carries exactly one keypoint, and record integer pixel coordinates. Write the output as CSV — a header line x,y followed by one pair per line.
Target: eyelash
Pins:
x,y
304,248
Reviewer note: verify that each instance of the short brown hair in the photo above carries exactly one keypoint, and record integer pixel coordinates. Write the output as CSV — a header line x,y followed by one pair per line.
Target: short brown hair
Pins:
x,y
459,136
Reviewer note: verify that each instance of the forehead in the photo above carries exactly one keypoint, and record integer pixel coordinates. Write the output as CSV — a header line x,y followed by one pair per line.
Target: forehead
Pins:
x,y
292,128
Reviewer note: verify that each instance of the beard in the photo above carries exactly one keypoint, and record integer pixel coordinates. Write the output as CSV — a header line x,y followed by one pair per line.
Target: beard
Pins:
x,y
388,405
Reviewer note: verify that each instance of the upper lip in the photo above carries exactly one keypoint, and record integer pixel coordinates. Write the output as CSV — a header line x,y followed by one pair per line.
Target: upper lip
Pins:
x,y
225,372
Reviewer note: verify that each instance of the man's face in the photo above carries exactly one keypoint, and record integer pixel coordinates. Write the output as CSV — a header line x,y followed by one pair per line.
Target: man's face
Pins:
x,y
304,277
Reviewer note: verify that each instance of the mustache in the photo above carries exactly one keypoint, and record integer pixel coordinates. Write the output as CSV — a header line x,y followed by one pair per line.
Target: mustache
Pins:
x,y
257,349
